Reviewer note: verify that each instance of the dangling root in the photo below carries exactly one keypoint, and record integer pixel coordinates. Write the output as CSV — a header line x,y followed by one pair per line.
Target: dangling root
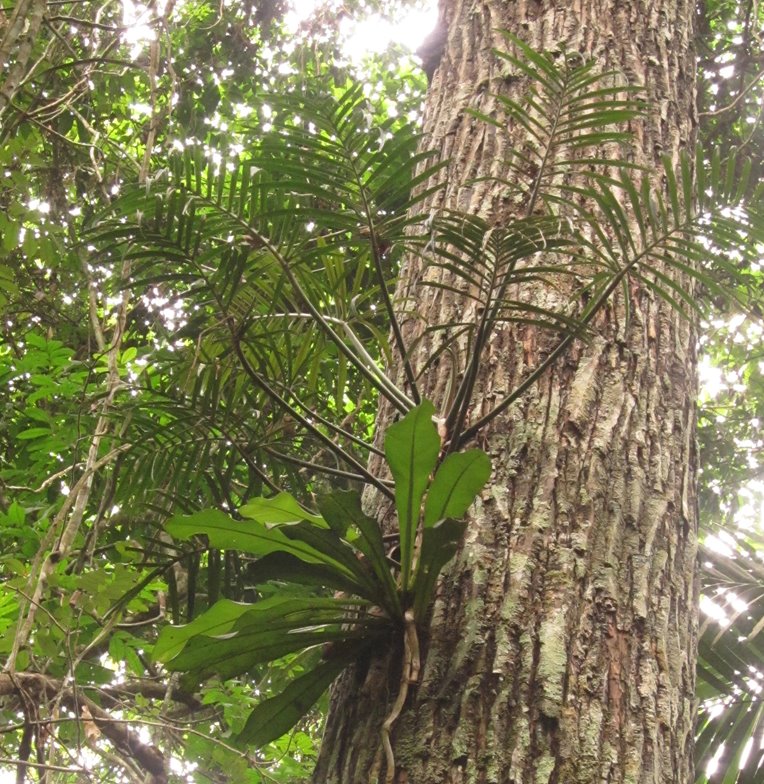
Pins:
x,y
409,675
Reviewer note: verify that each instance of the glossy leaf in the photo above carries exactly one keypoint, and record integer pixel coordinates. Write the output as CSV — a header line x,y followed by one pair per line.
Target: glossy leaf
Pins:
x,y
246,536
269,630
287,568
458,480
336,551
219,619
281,508
341,509
411,449
439,545
276,716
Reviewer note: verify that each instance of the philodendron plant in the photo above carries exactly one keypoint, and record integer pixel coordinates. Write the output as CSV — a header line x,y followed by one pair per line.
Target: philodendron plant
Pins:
x,y
377,600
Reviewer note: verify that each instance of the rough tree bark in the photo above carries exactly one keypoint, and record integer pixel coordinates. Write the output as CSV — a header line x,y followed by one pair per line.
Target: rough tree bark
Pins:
x,y
562,644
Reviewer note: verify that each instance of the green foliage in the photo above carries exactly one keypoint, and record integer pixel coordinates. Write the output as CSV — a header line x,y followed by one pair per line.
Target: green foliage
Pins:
x,y
411,448
277,715
268,311
568,109
731,654
259,261
343,551
458,479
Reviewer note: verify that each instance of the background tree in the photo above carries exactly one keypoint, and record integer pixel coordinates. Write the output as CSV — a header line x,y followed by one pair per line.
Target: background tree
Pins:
x,y
126,390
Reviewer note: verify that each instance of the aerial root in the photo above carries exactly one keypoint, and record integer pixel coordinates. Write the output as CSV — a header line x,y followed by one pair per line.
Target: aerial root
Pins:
x,y
409,676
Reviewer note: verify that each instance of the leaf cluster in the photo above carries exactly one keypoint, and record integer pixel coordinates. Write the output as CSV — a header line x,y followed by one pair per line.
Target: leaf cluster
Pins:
x,y
342,550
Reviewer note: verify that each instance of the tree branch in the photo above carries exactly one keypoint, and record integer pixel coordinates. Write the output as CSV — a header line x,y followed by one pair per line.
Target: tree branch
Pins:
x,y
44,688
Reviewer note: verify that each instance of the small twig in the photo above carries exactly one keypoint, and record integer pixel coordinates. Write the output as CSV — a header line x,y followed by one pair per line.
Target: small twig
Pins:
x,y
45,561
43,766
73,20
46,689
756,79
260,382
47,482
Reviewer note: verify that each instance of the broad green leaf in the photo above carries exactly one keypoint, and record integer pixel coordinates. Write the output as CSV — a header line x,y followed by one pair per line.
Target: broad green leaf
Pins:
x,y
8,610
249,536
282,508
439,545
411,449
339,510
235,655
16,514
33,432
343,506
336,551
286,568
276,716
219,619
457,481
8,286
269,630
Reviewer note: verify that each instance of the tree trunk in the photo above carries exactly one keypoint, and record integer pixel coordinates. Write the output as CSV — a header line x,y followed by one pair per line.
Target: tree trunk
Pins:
x,y
562,643
16,45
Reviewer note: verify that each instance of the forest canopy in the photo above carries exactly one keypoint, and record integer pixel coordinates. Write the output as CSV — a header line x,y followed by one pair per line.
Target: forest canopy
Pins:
x,y
205,209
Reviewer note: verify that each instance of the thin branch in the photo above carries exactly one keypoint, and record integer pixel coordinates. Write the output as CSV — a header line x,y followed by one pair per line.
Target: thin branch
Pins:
x,y
42,765
45,562
317,467
756,79
87,61
306,423
46,482
45,688
73,20
179,727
